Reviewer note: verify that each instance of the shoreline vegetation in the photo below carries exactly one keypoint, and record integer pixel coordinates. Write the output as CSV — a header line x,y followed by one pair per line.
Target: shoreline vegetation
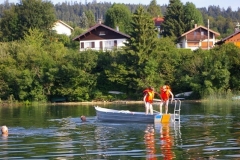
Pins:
x,y
7,103
210,101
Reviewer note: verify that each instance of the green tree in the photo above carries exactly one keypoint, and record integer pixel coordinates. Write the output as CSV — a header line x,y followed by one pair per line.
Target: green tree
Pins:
x,y
75,44
154,9
31,61
141,49
9,25
112,71
74,79
179,59
90,17
233,54
169,59
173,24
7,69
84,21
206,72
25,15
36,66
192,16
118,16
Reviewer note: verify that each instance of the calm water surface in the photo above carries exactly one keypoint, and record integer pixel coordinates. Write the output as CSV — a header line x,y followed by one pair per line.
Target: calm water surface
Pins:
x,y
206,131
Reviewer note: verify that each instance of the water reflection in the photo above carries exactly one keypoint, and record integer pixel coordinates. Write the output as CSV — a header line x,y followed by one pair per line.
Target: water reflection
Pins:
x,y
161,140
149,138
36,133
166,141
4,146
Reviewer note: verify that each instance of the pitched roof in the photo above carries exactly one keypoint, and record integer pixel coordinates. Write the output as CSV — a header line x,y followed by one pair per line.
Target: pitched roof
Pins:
x,y
59,21
218,34
228,37
158,21
95,27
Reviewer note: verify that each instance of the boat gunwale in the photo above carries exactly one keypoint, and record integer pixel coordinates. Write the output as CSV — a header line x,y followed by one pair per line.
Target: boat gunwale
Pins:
x,y
106,110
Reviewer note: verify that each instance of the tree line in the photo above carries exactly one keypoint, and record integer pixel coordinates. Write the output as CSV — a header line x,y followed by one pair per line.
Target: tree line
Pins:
x,y
38,64
222,20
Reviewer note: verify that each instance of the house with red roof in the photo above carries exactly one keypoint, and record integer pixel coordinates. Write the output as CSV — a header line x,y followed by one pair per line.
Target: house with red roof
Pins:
x,y
158,21
101,37
233,38
198,37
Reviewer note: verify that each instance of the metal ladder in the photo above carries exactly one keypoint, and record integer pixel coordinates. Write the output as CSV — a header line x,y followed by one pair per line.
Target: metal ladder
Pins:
x,y
177,109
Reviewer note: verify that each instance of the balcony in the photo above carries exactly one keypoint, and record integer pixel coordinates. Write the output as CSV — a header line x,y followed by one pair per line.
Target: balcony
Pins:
x,y
197,37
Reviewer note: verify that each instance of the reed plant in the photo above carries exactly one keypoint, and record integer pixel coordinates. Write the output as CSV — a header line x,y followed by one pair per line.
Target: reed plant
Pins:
x,y
221,97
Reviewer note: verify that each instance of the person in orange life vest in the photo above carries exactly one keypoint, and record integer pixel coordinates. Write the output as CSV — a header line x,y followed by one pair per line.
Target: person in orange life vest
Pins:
x,y
165,93
148,99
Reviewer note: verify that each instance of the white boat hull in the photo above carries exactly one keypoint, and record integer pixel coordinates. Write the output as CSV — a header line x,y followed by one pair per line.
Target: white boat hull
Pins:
x,y
111,115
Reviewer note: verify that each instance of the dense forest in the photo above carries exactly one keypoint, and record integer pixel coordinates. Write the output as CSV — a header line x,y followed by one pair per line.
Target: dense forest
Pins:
x,y
221,20
36,64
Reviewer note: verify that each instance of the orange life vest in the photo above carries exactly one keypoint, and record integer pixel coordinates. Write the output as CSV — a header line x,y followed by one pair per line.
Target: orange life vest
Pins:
x,y
150,95
165,94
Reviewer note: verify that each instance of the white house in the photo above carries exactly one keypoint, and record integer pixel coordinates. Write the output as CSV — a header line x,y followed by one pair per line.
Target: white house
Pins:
x,y
101,37
198,37
62,28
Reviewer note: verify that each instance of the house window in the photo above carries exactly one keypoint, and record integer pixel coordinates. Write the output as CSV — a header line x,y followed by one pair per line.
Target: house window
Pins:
x,y
89,45
102,33
108,44
82,45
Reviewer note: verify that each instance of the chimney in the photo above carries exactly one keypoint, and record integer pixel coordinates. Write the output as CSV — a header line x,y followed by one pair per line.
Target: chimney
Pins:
x,y
99,21
195,25
117,28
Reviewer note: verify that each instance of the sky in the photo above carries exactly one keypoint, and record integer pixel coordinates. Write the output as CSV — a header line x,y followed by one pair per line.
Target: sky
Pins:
x,y
234,4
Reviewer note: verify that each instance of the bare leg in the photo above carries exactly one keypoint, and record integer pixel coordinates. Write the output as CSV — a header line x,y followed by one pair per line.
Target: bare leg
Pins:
x,y
166,107
147,107
160,107
151,108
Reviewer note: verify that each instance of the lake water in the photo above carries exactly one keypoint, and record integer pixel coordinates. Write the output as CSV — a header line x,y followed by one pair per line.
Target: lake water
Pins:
x,y
206,131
